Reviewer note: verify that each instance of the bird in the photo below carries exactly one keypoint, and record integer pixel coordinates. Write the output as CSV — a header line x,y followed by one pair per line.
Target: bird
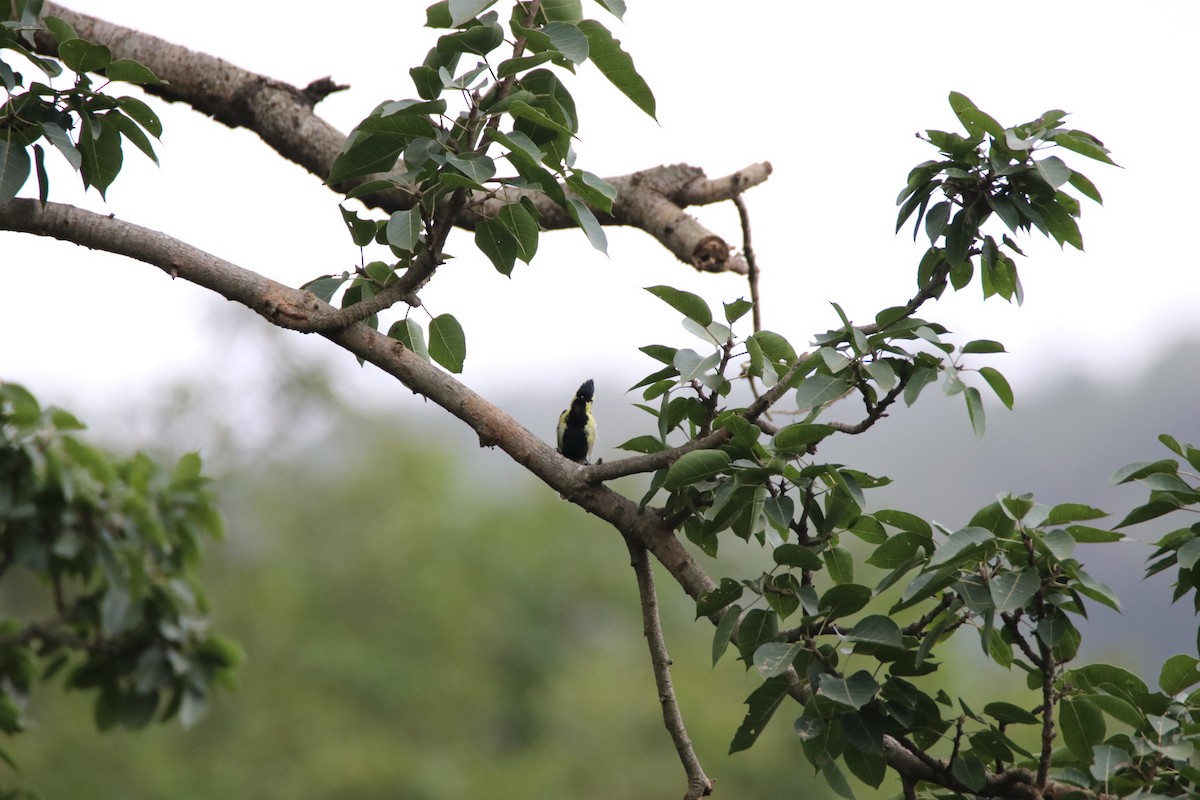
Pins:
x,y
577,426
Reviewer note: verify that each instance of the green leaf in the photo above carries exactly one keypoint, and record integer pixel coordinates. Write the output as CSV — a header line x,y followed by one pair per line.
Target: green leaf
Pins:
x,y
775,347
1082,143
498,244
1073,512
1012,590
975,410
725,626
62,142
447,342
870,768
690,305
142,114
522,110
1053,171
130,130
795,439
83,56
462,11
843,600
692,366
409,333
905,522
1178,673
773,658
921,377
696,466
1107,760
615,7
796,555
1010,714
761,703
722,595
840,564
403,229
1140,469
616,65
876,630
960,546
14,168
882,373
983,346
1088,535
737,309
821,389
999,385
936,219
520,223
99,144
1085,186
1059,222
325,286
643,444
592,189
896,551
855,691
1082,726
588,223
59,28
970,771
1119,709
129,71
365,154
362,231
757,627
568,40
563,10
975,121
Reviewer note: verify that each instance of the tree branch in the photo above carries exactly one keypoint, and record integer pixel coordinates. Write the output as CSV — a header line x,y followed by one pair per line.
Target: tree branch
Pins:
x,y
282,115
296,309
698,783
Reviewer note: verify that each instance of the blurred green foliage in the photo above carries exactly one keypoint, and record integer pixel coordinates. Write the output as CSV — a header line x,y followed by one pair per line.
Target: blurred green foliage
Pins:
x,y
412,633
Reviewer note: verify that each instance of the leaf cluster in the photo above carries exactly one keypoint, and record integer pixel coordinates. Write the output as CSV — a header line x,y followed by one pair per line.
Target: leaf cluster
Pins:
x,y
112,546
86,126
1173,486
1001,171
492,122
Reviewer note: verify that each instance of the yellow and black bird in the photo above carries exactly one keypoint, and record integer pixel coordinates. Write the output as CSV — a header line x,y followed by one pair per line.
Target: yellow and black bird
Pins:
x,y
577,426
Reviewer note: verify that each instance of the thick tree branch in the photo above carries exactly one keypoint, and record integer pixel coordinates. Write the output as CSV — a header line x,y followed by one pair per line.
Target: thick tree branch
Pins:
x,y
282,115
698,783
296,309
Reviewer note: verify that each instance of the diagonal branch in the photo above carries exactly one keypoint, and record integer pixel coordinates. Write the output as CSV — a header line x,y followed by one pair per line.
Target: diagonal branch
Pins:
x,y
698,783
296,309
282,115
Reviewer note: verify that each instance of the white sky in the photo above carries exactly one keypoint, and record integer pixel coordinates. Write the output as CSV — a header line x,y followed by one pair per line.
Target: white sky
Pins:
x,y
830,94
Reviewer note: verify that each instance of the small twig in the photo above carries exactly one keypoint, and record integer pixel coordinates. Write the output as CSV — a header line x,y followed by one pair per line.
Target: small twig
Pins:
x,y
875,411
918,627
1010,622
935,287
698,783
751,261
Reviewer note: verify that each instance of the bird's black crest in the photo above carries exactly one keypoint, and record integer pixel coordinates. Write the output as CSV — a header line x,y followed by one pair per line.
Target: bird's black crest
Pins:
x,y
587,390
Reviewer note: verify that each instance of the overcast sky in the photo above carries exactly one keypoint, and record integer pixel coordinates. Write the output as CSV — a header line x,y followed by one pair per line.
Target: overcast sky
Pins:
x,y
831,94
